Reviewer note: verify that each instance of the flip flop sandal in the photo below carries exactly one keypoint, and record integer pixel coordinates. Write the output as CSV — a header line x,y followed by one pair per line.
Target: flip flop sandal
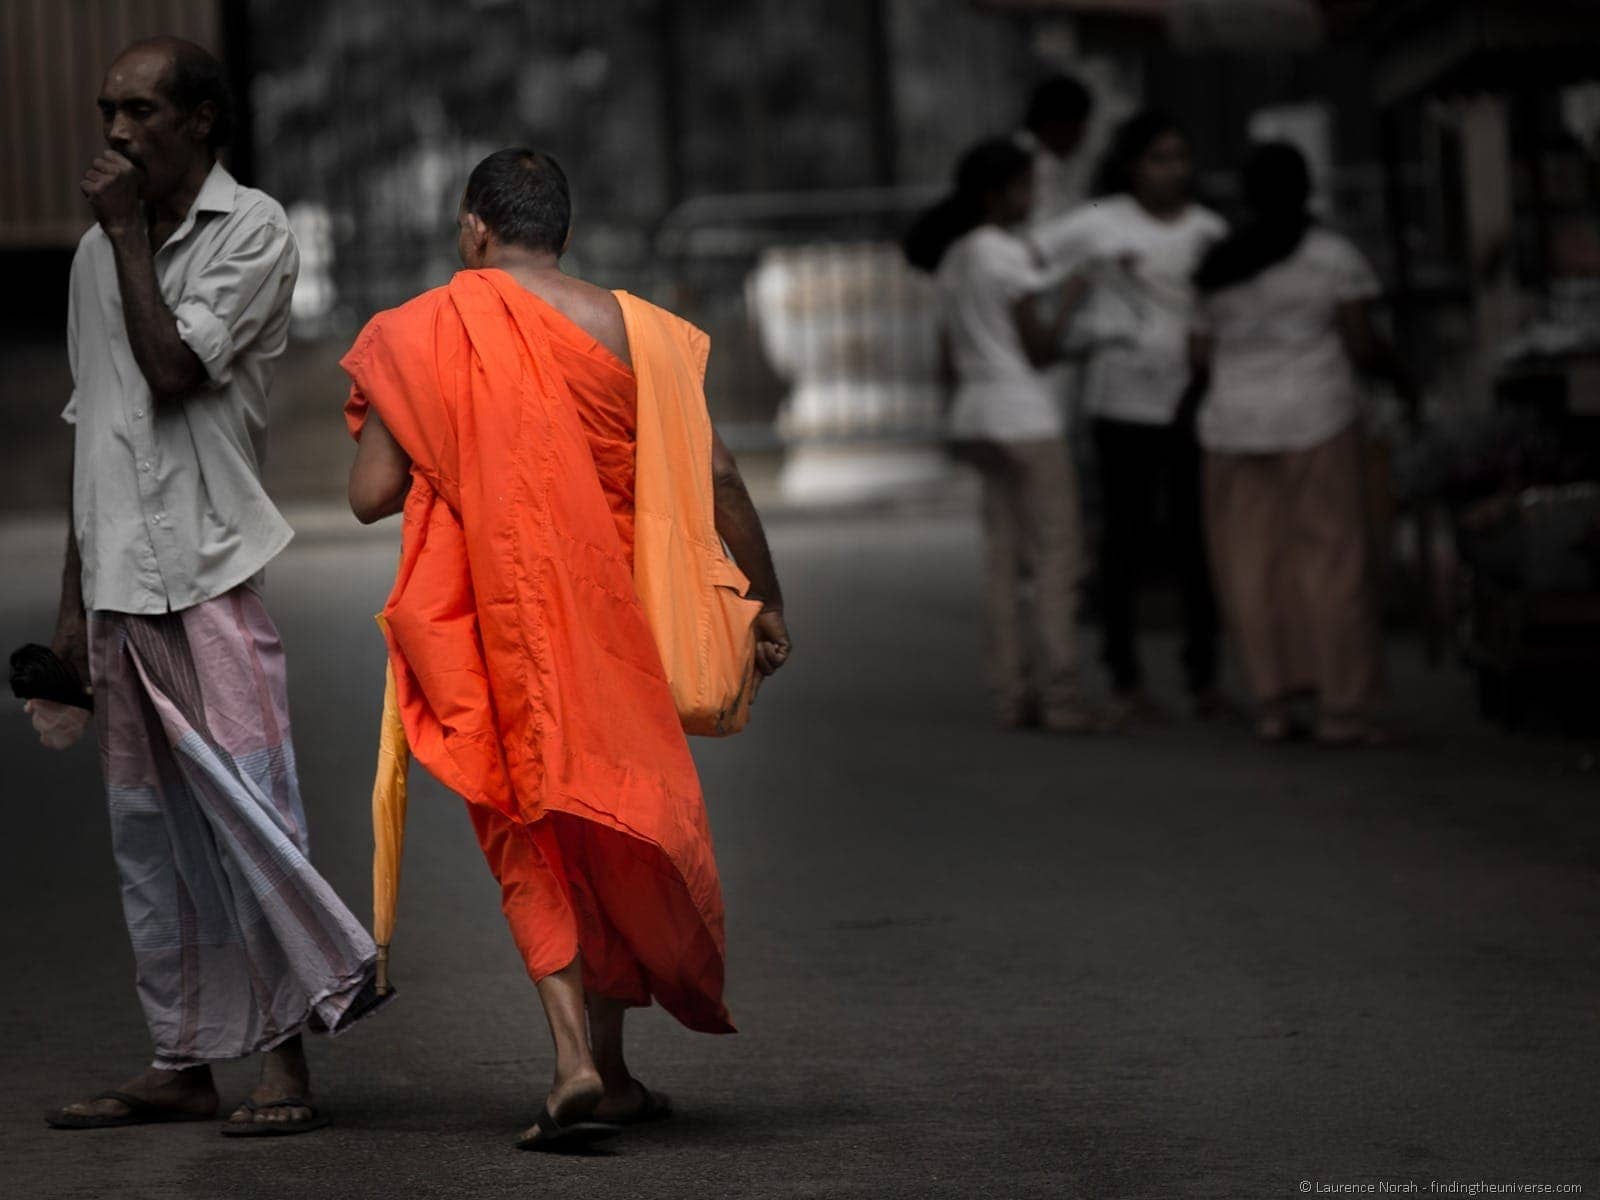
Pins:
x,y
232,1128
557,1138
140,1112
655,1106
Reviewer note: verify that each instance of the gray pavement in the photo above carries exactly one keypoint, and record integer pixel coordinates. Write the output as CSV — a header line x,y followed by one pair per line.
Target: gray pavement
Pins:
x,y
964,963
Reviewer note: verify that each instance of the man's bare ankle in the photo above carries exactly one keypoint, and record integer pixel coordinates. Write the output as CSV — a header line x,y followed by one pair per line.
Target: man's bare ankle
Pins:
x,y
618,1084
195,1079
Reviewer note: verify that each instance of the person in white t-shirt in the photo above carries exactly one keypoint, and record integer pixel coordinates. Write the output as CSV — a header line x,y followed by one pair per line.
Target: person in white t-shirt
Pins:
x,y
1006,420
1053,129
1286,303
1142,238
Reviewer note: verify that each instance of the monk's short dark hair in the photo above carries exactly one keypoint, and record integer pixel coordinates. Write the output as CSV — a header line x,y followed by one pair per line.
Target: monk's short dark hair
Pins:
x,y
195,77
522,196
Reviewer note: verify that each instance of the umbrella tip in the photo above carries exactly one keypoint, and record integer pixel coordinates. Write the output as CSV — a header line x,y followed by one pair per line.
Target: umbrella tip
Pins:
x,y
382,980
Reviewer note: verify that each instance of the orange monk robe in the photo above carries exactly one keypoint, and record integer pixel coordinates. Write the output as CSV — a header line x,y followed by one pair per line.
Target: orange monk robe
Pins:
x,y
527,677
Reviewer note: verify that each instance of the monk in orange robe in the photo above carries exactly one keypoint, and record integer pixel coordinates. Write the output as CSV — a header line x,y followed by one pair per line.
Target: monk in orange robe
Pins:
x,y
498,413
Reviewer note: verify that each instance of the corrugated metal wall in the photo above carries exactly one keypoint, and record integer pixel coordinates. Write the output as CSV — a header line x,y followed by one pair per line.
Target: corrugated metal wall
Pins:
x,y
53,55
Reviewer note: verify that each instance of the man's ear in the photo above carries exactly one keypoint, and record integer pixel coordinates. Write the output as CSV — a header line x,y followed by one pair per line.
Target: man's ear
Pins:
x,y
202,120
477,233
566,241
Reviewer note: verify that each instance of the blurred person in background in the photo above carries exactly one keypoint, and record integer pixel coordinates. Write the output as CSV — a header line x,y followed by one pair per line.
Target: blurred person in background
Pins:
x,y
179,306
1139,242
1053,130
1006,420
500,412
1287,306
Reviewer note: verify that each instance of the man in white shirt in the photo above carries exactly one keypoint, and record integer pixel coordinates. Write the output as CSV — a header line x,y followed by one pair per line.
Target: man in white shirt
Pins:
x,y
1053,130
179,305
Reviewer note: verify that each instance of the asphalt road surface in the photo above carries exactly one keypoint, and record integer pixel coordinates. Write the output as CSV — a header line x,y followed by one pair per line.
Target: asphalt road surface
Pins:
x,y
964,963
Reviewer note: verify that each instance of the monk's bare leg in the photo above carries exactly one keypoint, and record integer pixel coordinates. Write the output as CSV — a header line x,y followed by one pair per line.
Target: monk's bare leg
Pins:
x,y
577,1086
190,1092
626,1098
284,1076
605,1036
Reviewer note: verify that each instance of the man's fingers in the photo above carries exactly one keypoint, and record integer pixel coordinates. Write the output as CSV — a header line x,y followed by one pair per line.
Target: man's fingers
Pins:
x,y
770,656
58,725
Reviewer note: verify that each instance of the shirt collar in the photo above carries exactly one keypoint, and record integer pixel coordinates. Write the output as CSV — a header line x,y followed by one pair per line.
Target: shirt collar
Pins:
x,y
218,194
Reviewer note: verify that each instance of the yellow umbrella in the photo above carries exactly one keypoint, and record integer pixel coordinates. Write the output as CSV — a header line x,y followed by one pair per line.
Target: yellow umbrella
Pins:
x,y
388,823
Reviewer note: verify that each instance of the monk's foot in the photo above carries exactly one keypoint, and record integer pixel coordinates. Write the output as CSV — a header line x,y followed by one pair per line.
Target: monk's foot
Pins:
x,y
630,1103
190,1094
572,1101
284,1076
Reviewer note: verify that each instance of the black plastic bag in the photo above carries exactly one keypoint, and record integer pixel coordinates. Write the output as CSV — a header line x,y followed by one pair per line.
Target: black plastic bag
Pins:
x,y
37,674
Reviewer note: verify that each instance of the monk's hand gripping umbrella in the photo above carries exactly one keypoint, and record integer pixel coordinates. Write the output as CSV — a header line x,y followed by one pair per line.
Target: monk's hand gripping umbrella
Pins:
x,y
388,823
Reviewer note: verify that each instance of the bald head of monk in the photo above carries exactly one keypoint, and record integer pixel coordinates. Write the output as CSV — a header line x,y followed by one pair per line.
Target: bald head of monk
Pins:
x,y
517,207
165,107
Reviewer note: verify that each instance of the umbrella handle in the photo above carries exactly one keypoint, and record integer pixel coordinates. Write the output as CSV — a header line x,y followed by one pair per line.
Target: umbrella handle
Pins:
x,y
383,971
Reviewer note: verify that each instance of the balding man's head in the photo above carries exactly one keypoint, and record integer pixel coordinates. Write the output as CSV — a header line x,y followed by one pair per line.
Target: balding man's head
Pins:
x,y
520,198
190,77
165,107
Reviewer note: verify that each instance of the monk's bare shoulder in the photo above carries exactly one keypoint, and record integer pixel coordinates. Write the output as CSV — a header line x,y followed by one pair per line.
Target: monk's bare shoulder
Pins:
x,y
591,308
602,318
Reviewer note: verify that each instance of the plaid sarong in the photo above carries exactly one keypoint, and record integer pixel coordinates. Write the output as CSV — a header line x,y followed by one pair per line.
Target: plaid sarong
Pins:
x,y
239,943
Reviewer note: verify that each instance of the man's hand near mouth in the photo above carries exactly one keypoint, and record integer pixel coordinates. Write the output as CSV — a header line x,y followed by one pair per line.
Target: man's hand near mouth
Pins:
x,y
112,185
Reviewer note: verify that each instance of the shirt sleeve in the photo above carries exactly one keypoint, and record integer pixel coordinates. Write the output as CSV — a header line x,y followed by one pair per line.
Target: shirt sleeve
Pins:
x,y
69,414
1066,242
245,288
1009,271
1353,276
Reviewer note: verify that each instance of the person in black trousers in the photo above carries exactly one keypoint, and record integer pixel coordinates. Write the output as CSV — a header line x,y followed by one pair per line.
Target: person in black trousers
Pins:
x,y
1139,241
1150,496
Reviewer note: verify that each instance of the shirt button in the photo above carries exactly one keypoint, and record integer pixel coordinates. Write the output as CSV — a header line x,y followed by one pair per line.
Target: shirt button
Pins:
x,y
157,518
144,466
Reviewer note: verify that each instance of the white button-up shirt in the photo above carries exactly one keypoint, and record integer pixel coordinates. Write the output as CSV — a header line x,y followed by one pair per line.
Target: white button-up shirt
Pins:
x,y
168,505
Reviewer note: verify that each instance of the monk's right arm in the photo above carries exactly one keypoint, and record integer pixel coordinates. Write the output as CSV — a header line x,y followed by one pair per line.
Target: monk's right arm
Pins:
x,y
380,477
739,526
